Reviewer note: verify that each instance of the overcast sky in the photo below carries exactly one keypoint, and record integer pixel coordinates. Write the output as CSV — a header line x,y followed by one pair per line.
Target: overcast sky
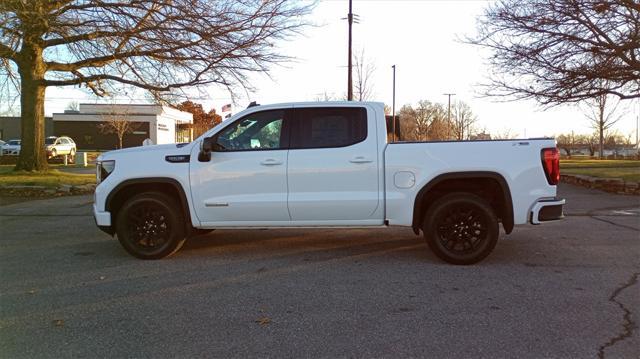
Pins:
x,y
422,38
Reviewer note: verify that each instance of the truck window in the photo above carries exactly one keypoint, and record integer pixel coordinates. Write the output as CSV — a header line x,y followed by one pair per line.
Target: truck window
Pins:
x,y
256,131
328,127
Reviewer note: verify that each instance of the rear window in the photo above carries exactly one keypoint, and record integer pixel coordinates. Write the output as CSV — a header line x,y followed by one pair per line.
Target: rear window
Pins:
x,y
328,127
49,140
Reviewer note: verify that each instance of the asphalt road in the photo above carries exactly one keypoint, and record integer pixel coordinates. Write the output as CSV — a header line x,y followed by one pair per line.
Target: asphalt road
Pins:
x,y
565,290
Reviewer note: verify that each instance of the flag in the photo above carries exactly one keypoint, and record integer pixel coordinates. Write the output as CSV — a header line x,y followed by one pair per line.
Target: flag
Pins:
x,y
227,116
226,108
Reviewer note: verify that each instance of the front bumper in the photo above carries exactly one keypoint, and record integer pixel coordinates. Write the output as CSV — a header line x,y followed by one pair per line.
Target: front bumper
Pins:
x,y
546,210
103,220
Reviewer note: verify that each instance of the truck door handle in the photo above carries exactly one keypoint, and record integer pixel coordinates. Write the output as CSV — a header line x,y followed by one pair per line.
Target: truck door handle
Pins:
x,y
270,162
360,159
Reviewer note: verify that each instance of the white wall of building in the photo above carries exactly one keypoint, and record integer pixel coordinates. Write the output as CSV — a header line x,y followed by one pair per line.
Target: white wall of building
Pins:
x,y
162,119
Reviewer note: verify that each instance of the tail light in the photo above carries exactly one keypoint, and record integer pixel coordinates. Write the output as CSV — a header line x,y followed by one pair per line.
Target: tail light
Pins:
x,y
551,165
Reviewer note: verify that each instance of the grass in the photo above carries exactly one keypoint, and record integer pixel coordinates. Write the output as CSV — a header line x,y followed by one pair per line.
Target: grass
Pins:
x,y
50,179
629,170
599,163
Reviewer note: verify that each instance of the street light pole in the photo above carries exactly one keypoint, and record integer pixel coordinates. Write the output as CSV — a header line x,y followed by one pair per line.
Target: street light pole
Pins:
x,y
449,106
349,66
393,107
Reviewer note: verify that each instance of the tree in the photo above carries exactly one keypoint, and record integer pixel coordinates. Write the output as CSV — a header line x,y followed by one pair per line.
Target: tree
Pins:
x,y
202,121
426,122
562,51
325,96
160,46
116,122
602,115
364,72
462,119
505,134
568,142
615,142
592,143
73,106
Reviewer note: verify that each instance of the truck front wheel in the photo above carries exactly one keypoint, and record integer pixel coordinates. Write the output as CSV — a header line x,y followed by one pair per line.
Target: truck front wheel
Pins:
x,y
461,228
149,227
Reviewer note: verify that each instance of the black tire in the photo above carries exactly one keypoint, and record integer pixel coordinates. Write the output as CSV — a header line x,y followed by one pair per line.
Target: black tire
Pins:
x,y
149,226
461,228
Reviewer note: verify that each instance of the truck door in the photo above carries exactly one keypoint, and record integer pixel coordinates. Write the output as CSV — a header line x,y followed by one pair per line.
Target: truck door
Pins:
x,y
333,166
244,183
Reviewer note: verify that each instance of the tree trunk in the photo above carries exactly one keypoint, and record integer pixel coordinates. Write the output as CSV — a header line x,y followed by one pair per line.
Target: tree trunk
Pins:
x,y
32,68
601,131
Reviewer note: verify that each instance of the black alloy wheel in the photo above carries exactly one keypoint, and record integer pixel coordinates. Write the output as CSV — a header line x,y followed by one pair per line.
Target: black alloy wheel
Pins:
x,y
461,228
149,226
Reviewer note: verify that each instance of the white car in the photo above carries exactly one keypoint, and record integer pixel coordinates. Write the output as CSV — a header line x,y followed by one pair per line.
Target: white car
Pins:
x,y
325,165
11,148
58,146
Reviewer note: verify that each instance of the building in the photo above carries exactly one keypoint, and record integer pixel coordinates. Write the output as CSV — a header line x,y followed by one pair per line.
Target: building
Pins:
x,y
11,127
390,129
89,126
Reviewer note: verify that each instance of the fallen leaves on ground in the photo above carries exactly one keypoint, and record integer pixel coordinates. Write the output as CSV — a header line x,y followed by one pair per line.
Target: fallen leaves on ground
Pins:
x,y
264,321
58,322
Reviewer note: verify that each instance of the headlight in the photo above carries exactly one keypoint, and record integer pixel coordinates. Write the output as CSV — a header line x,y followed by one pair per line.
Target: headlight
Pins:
x,y
104,169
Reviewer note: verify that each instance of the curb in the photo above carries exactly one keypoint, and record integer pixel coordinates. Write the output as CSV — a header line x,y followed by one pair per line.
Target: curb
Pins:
x,y
42,191
612,185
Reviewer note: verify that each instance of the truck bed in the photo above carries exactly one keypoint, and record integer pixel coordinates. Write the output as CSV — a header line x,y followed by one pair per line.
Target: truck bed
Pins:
x,y
517,161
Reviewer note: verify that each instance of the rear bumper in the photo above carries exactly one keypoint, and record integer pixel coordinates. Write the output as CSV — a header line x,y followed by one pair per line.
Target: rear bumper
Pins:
x,y
547,210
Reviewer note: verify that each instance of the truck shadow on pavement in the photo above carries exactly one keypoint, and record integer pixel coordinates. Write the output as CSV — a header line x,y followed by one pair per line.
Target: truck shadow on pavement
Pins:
x,y
309,245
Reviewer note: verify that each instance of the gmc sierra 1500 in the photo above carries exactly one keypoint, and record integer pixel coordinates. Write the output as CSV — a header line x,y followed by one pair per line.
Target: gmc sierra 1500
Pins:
x,y
325,165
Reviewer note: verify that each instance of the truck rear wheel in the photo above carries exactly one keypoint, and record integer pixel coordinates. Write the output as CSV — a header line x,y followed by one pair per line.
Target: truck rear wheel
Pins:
x,y
461,228
149,227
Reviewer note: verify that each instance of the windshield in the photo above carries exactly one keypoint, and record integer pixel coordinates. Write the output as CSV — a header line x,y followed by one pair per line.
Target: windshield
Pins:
x,y
49,140
14,142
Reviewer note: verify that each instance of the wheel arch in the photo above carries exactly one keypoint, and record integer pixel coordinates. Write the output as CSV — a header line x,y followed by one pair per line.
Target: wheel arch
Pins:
x,y
499,194
166,185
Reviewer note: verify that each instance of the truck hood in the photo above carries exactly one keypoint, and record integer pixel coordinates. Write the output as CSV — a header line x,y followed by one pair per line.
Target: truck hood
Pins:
x,y
168,149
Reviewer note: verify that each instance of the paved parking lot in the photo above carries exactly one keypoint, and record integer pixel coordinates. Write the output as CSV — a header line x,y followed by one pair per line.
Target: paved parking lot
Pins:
x,y
567,289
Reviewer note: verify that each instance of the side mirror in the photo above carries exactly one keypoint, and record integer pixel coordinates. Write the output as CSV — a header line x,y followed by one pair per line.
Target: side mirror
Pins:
x,y
206,146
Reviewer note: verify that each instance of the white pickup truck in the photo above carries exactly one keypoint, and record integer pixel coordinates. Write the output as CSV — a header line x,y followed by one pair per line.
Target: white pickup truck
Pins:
x,y
325,165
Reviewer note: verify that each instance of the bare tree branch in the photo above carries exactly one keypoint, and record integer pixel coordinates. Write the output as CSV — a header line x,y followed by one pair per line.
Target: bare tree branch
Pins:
x,y
161,46
364,73
562,51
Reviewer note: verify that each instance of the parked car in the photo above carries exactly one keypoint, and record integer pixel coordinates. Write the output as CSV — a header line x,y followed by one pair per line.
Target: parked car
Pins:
x,y
11,148
58,146
325,165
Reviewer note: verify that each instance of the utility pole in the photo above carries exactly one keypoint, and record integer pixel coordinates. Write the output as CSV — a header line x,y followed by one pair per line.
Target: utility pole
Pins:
x,y
449,108
349,66
393,107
